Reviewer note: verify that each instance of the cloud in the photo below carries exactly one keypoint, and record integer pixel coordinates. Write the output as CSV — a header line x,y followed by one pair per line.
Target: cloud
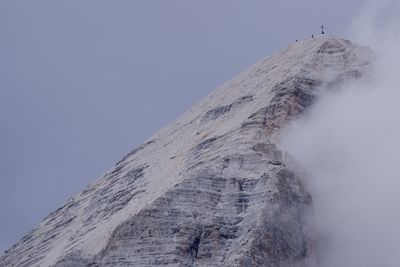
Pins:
x,y
349,144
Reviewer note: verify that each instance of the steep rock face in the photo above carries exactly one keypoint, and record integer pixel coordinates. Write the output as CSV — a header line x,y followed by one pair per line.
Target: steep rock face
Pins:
x,y
235,207
211,188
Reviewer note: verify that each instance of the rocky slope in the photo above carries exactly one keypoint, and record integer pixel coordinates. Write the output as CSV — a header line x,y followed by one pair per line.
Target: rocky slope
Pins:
x,y
211,188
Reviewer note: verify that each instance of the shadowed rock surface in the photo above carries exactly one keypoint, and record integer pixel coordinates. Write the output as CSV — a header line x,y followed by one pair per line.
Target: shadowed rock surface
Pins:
x,y
211,188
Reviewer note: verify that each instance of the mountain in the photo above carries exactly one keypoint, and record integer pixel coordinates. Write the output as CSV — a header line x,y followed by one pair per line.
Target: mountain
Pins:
x,y
211,188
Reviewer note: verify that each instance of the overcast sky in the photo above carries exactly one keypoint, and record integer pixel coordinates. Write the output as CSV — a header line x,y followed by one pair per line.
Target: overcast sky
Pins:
x,y
84,82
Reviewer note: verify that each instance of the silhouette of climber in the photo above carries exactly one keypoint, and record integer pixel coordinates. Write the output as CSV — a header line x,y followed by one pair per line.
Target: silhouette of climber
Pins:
x,y
322,29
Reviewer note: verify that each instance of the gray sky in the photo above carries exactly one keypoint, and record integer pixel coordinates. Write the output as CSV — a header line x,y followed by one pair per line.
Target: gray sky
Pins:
x,y
84,82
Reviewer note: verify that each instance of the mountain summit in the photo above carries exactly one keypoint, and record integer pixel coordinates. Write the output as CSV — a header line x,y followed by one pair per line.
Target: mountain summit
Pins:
x,y
211,188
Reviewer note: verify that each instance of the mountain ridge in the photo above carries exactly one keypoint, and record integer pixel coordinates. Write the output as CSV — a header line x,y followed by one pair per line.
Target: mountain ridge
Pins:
x,y
211,187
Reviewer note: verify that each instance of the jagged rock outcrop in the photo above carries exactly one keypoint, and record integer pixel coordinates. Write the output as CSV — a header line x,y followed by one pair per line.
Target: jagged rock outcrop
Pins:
x,y
211,188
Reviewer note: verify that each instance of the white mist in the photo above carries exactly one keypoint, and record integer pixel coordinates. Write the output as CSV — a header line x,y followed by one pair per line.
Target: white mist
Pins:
x,y
349,145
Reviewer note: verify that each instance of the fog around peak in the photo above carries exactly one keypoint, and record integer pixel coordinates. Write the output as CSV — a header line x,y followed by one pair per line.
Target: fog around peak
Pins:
x,y
350,148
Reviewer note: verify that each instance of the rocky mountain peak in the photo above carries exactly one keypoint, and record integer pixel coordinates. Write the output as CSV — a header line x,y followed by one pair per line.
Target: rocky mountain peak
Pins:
x,y
211,188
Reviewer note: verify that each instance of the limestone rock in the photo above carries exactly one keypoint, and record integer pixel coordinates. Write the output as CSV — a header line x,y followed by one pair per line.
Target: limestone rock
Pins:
x,y
211,188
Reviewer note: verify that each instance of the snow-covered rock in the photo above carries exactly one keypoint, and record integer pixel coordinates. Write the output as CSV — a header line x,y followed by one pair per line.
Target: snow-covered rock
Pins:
x,y
211,188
